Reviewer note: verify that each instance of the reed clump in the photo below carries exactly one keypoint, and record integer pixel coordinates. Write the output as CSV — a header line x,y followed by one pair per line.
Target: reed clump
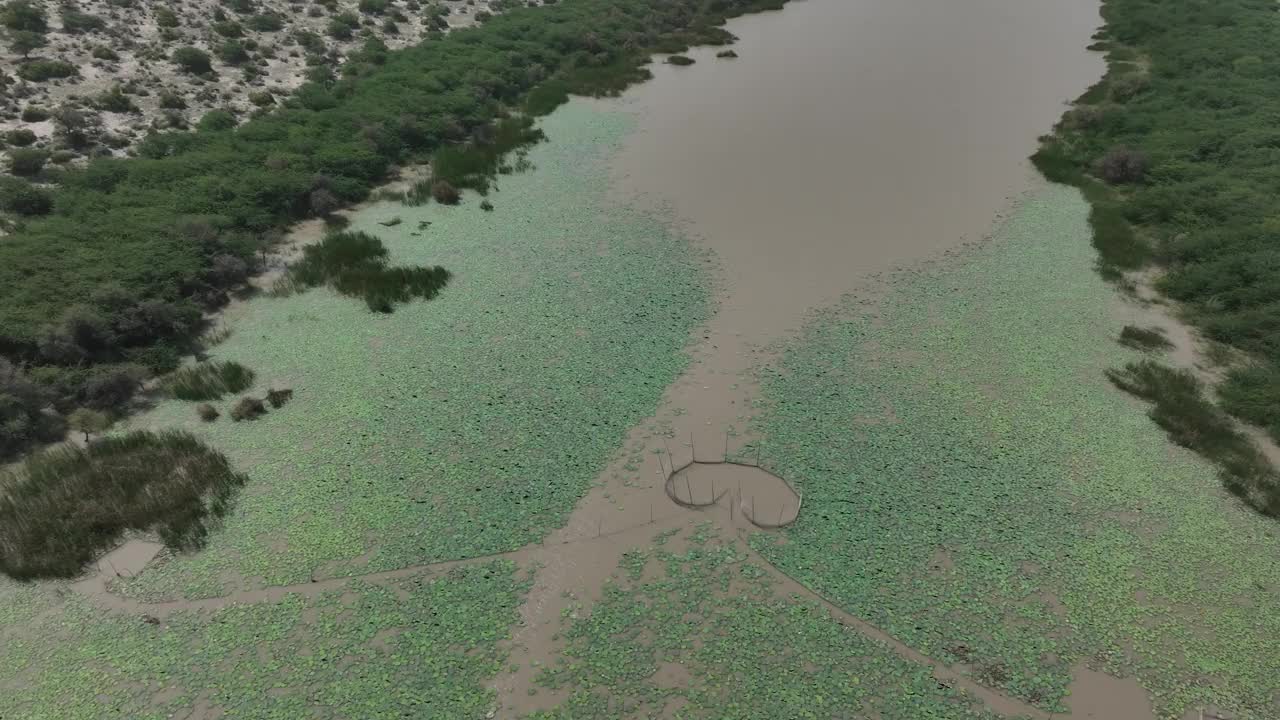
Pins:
x,y
355,264
63,507
208,381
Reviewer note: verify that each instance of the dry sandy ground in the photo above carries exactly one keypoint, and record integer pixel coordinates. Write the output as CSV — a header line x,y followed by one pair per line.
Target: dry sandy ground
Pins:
x,y
131,50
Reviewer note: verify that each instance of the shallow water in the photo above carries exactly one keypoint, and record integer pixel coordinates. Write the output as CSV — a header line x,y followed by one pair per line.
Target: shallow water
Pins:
x,y
848,139
852,136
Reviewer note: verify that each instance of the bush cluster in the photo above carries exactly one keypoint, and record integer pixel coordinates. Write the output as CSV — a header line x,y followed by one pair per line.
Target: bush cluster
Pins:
x,y
67,505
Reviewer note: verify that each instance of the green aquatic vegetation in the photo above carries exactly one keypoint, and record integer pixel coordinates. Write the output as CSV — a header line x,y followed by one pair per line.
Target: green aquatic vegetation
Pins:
x,y
467,425
1007,507
355,264
417,647
708,633
65,505
208,380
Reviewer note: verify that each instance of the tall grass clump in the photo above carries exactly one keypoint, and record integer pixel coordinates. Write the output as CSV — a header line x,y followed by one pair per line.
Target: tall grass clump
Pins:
x,y
65,506
472,165
1192,421
208,381
1146,339
355,264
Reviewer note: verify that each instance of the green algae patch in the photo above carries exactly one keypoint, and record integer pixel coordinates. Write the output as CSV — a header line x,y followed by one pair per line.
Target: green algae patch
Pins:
x,y
468,425
417,647
705,633
975,486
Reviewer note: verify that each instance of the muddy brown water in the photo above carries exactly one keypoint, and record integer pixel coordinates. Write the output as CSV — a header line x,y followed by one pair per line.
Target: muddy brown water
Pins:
x,y
850,137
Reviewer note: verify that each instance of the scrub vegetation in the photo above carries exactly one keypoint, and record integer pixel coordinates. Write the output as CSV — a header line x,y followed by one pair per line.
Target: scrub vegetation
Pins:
x,y
1174,152
64,506
108,268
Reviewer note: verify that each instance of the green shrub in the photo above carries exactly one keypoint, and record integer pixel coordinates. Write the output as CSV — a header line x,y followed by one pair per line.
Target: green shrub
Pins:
x,y
355,264
20,137
228,28
27,161
192,60
208,381
216,120
166,18
25,42
103,52
681,60
22,198
1123,165
373,7
170,100
74,21
32,113
207,412
232,52
1252,393
114,100
68,505
342,27
41,70
23,15
266,22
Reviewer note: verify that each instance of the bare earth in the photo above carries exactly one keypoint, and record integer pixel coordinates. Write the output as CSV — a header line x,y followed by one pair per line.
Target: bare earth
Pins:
x,y
142,67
